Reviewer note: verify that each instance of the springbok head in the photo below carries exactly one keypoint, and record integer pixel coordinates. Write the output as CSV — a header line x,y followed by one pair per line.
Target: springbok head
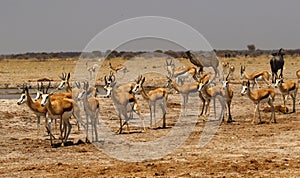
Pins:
x,y
140,81
278,81
23,97
64,80
109,83
46,95
38,92
246,85
243,68
170,67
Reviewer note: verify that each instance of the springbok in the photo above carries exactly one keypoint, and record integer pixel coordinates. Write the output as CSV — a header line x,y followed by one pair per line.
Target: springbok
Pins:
x,y
255,76
288,88
92,71
157,95
62,107
118,68
122,99
228,67
185,90
205,61
229,95
34,106
91,108
260,96
298,75
276,63
180,73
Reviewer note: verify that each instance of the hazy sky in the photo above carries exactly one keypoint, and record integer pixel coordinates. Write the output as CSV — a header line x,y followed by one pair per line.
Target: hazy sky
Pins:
x,y
68,25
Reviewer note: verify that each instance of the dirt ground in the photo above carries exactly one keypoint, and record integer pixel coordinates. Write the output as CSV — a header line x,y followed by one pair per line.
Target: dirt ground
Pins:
x,y
238,149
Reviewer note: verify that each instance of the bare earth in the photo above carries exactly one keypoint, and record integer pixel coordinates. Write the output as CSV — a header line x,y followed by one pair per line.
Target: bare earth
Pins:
x,y
239,149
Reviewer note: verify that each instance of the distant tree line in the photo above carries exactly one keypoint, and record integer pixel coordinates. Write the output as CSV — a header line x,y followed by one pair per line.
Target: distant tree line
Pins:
x,y
129,54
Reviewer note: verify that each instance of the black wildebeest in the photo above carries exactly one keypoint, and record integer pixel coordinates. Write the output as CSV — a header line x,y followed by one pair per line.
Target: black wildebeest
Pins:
x,y
277,62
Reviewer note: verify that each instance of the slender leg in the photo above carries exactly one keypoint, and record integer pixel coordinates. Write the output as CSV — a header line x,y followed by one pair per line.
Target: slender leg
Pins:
x,y
150,106
258,110
270,102
254,113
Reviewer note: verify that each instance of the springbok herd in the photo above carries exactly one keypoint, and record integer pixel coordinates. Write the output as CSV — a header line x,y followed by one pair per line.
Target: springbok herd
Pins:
x,y
64,105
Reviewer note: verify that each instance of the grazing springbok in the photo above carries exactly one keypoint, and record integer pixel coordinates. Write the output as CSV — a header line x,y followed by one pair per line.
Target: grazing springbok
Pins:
x,y
91,108
205,61
260,96
34,106
276,63
255,76
298,75
180,73
288,88
122,98
159,95
61,107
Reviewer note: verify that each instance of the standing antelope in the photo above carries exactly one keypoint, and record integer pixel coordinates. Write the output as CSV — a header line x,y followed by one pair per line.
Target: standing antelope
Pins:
x,y
255,76
92,71
158,95
228,67
180,73
298,75
91,108
122,99
34,106
260,96
62,107
288,88
185,90
229,95
277,63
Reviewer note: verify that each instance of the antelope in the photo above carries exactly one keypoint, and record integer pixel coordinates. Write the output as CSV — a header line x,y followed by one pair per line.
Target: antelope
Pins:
x,y
180,73
34,106
185,90
260,96
91,108
229,95
298,75
227,66
118,68
92,71
122,99
288,88
205,61
209,92
255,76
65,82
158,95
62,107
276,63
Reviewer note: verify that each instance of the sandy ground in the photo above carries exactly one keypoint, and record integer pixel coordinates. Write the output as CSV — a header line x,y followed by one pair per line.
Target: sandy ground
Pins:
x,y
239,149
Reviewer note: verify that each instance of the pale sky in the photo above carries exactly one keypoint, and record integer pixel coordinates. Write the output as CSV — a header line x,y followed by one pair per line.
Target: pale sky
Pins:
x,y
68,25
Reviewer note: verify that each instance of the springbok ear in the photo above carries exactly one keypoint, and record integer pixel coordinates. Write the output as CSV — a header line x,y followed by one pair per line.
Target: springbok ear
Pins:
x,y
68,76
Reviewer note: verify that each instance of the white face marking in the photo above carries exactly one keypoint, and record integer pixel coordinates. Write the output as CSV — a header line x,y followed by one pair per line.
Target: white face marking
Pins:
x,y
277,81
22,99
44,99
80,95
244,90
200,86
61,85
224,84
38,95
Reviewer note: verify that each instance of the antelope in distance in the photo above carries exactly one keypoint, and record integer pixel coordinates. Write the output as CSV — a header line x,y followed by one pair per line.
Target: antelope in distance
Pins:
x,y
118,68
255,76
277,63
228,67
180,73
61,107
158,95
91,108
122,98
288,88
34,106
92,71
260,96
298,75
205,61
